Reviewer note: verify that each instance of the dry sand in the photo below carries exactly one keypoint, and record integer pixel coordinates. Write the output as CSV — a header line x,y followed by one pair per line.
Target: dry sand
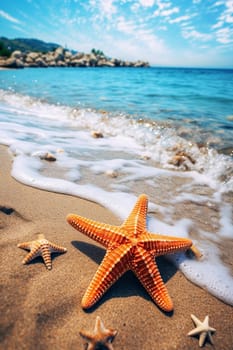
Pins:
x,y
40,309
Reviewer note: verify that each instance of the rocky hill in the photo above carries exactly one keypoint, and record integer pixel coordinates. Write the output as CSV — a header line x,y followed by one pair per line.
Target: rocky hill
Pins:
x,y
26,45
54,56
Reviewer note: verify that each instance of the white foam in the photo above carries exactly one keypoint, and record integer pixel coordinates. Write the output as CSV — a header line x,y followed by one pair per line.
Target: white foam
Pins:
x,y
209,273
226,226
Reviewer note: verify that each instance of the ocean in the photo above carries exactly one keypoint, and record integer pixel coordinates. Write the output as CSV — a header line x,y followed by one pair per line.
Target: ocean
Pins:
x,y
118,132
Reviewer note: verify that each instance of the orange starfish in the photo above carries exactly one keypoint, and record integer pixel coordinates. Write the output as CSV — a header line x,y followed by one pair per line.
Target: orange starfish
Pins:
x,y
100,338
129,247
41,247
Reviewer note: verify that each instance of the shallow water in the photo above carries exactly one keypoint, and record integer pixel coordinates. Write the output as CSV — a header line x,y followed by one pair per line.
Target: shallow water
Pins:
x,y
147,119
197,102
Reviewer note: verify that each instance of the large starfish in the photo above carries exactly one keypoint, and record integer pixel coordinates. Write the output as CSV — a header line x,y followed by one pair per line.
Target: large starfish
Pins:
x,y
202,329
43,247
100,339
129,247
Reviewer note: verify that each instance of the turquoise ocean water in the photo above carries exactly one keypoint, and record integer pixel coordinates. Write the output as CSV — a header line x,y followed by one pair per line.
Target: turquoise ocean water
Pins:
x,y
166,132
200,99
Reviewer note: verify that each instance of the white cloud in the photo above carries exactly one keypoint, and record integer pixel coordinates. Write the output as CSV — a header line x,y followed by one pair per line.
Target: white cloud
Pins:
x,y
224,36
226,16
195,35
163,5
218,3
229,18
165,9
124,26
169,12
162,9
179,19
135,7
187,27
162,28
147,3
147,47
140,43
229,4
106,8
9,17
217,25
19,29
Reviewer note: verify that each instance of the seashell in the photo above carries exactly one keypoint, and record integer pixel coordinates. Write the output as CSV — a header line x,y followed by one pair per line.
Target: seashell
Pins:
x,y
112,173
187,156
179,159
102,111
49,157
97,134
145,157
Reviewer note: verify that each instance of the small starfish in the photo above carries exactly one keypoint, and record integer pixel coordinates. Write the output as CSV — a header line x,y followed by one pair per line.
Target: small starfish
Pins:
x,y
41,247
100,339
129,247
203,329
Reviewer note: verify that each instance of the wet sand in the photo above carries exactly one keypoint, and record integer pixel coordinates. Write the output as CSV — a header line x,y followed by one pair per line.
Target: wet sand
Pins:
x,y
40,309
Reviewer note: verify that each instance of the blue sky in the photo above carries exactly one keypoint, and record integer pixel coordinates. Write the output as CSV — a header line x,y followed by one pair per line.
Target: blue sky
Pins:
x,y
163,32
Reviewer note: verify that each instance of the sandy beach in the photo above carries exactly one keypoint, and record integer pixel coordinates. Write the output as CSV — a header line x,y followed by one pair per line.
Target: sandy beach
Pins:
x,y
41,309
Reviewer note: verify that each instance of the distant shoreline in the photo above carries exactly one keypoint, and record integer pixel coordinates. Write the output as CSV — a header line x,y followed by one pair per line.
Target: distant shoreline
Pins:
x,y
61,57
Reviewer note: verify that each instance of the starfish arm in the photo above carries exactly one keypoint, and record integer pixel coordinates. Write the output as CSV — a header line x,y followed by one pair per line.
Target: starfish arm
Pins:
x,y
54,248
196,321
210,338
107,334
46,249
25,245
101,337
88,336
136,221
202,338
91,346
211,329
32,255
100,232
196,331
160,245
148,274
206,325
109,346
46,256
112,267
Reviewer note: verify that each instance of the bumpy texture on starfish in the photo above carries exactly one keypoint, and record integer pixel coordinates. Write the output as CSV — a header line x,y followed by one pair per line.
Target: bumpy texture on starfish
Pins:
x,y
129,247
41,247
202,329
100,339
